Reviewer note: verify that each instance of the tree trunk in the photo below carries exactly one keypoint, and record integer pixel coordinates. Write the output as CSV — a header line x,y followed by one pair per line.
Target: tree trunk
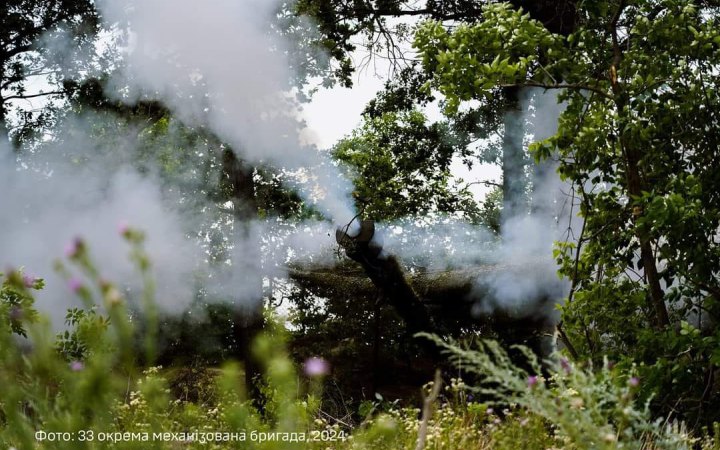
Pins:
x,y
513,158
634,180
4,137
657,296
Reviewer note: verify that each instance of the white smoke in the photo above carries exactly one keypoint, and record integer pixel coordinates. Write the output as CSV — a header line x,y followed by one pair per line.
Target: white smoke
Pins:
x,y
524,281
440,243
528,282
42,213
83,187
218,63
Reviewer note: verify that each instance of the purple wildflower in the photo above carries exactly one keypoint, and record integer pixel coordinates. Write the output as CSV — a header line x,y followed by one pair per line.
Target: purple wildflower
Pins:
x,y
29,281
77,366
16,313
634,382
315,367
532,381
73,248
75,284
565,365
123,228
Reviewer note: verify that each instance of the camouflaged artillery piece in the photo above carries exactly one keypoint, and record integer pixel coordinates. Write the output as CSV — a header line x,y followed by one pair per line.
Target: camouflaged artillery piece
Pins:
x,y
447,302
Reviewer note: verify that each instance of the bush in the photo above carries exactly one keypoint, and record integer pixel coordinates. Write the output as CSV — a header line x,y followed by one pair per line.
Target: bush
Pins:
x,y
585,408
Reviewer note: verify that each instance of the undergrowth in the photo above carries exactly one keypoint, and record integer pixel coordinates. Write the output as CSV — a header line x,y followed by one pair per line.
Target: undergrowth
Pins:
x,y
84,389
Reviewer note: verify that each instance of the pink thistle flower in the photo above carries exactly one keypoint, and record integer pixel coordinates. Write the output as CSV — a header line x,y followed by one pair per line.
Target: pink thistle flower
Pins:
x,y
123,228
29,281
75,284
634,382
73,248
532,381
77,366
565,365
316,367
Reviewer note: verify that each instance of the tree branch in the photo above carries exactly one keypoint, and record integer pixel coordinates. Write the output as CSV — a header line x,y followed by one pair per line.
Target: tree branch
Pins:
x,y
572,86
17,50
485,182
40,94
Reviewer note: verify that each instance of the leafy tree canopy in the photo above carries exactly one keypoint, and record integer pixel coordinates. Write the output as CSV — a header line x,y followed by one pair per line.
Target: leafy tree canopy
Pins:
x,y
639,142
26,29
403,168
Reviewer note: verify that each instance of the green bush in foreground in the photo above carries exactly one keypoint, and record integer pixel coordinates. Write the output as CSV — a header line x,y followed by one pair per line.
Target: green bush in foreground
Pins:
x,y
84,389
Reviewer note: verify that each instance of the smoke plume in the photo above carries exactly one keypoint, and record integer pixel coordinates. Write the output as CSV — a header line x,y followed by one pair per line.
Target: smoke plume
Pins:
x,y
220,64
528,283
81,186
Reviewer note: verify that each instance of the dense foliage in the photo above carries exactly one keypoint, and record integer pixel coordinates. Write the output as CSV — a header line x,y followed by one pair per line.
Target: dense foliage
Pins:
x,y
24,26
403,168
639,142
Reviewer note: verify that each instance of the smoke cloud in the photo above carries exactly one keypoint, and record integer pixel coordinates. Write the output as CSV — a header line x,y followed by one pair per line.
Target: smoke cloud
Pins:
x,y
81,186
221,64
525,281
42,213
528,283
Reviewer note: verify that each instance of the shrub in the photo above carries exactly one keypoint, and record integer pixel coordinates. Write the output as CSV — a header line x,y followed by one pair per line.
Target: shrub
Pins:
x,y
585,408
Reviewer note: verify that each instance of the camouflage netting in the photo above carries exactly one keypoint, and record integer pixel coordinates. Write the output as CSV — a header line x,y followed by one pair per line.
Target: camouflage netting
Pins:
x,y
451,293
